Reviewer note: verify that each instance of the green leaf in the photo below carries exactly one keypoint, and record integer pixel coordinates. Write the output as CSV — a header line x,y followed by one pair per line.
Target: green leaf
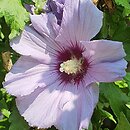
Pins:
x,y
39,6
0,95
122,34
5,112
4,124
116,28
15,15
4,108
17,122
28,1
3,104
128,105
121,84
6,97
90,126
2,127
115,96
40,3
108,115
127,79
125,4
123,123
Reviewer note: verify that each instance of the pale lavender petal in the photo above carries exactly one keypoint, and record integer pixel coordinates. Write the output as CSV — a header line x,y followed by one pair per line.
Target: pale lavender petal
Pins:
x,y
43,108
76,114
30,43
63,106
26,75
46,24
89,100
107,72
99,51
81,21
106,63
23,102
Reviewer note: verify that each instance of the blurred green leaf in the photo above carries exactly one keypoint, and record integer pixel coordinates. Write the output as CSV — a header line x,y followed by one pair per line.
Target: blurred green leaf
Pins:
x,y
17,122
28,1
90,126
116,28
3,104
109,115
125,4
115,96
4,124
1,95
4,108
122,34
5,112
127,79
15,15
121,84
39,5
128,105
123,123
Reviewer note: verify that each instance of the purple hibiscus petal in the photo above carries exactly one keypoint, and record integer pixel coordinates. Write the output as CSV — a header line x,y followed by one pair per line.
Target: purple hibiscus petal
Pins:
x,y
97,50
104,66
81,21
45,24
108,72
56,7
27,75
59,107
79,110
30,43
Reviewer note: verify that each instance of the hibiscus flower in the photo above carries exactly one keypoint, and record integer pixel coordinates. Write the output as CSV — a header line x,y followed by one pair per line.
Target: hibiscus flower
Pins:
x,y
55,79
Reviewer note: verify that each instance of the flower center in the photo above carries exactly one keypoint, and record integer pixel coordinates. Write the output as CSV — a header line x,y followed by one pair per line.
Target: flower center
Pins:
x,y
71,66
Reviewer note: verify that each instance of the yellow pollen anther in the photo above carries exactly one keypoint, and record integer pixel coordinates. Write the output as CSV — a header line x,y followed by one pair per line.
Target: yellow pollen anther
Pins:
x,y
71,66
